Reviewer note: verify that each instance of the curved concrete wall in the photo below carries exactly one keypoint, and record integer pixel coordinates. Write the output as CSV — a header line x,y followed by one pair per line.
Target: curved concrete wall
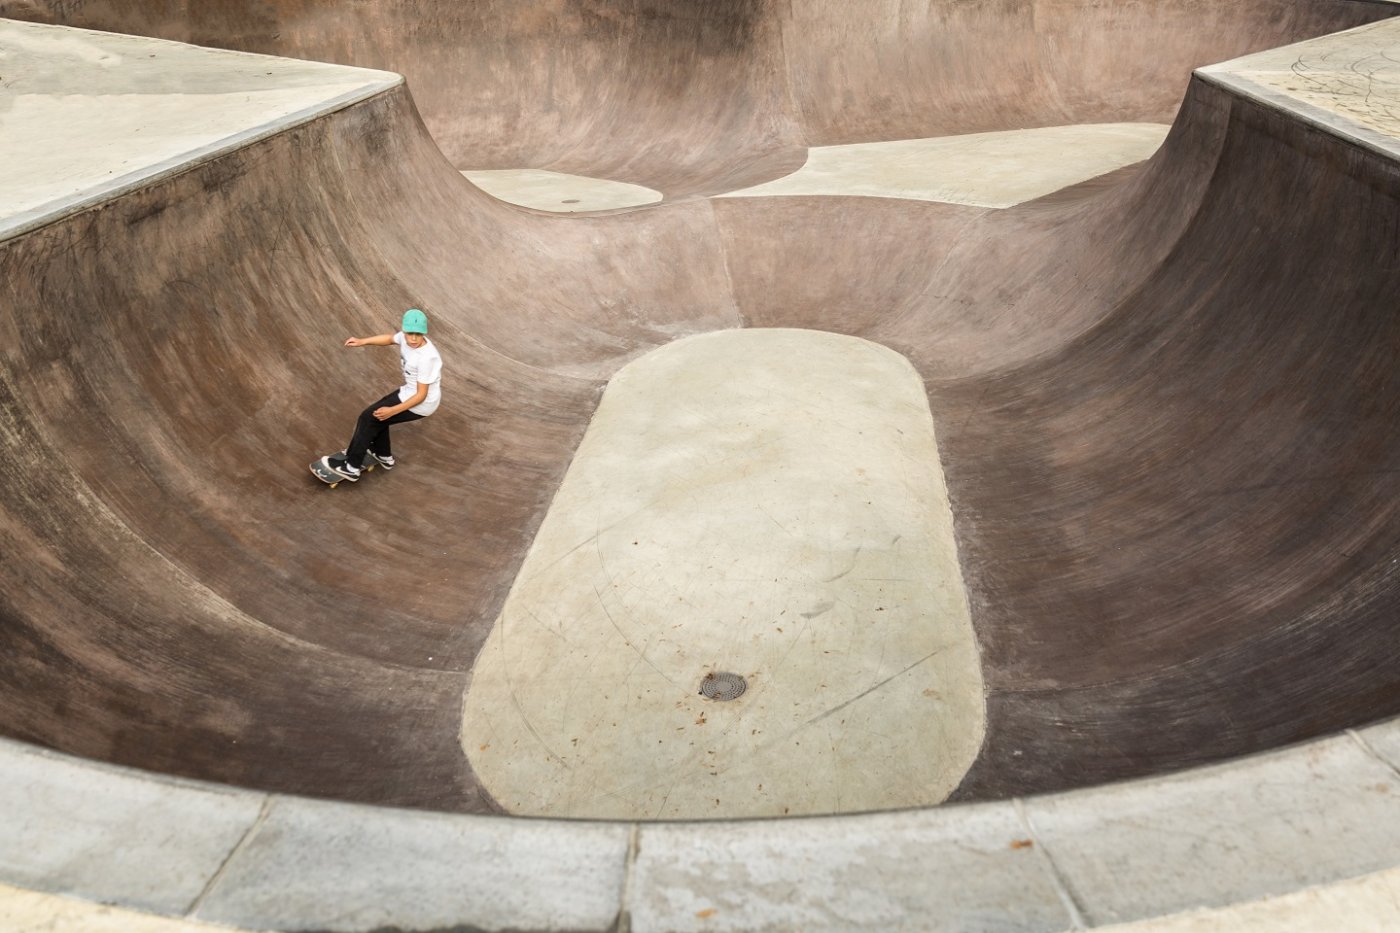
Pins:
x,y
689,97
1171,513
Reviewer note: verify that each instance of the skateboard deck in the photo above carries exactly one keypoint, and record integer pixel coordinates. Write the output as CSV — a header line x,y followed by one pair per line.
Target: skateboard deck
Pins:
x,y
332,478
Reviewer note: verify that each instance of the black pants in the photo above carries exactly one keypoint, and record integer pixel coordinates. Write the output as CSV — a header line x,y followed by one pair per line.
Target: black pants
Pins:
x,y
373,434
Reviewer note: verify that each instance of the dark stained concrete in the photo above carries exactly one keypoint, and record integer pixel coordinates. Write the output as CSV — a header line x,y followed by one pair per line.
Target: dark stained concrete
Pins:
x,y
1166,401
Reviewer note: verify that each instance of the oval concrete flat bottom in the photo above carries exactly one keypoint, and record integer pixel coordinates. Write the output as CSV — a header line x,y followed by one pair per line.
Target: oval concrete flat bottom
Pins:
x,y
767,502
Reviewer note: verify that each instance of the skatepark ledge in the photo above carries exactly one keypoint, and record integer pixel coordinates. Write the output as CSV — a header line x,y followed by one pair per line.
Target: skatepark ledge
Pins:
x,y
1257,827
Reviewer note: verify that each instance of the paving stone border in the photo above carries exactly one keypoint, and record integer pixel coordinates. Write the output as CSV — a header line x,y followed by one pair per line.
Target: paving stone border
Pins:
x,y
1255,827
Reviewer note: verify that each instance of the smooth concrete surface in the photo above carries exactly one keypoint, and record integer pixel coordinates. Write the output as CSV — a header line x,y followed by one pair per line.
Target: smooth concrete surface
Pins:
x,y
86,115
764,502
981,169
560,192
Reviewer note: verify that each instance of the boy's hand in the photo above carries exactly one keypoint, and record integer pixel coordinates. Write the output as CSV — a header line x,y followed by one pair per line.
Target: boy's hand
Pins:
x,y
384,414
354,342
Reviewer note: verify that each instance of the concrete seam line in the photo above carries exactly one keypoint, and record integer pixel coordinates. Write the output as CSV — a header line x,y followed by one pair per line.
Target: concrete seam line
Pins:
x,y
1062,885
1369,750
717,224
623,923
238,847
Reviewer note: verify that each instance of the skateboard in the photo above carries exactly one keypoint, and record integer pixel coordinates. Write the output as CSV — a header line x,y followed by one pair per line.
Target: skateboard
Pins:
x,y
333,479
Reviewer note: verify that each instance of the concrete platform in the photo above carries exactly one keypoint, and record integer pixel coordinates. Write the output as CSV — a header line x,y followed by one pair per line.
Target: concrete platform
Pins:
x,y
86,116
1346,80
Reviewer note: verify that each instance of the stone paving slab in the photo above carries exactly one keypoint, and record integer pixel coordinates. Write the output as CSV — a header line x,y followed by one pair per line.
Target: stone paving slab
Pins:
x,y
964,868
1361,905
24,911
1383,741
113,835
345,867
1245,830
1252,828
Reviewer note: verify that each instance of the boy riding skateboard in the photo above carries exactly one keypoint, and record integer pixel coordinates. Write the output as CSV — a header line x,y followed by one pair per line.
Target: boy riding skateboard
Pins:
x,y
417,398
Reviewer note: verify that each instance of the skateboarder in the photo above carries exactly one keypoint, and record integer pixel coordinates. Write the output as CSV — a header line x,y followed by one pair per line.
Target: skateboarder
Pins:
x,y
417,398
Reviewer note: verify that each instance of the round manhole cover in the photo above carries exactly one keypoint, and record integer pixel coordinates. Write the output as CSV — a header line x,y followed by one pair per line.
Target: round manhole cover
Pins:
x,y
722,685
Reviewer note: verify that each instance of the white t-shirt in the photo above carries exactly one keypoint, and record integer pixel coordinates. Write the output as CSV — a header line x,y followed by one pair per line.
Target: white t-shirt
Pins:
x,y
421,365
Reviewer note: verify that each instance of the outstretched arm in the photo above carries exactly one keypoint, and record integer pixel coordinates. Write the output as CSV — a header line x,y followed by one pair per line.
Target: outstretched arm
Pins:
x,y
382,340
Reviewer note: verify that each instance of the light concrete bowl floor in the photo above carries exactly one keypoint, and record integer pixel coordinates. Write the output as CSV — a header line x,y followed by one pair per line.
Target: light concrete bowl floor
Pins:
x,y
984,169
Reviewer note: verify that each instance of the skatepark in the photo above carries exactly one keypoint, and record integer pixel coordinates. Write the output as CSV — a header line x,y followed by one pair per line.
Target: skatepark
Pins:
x,y
1002,395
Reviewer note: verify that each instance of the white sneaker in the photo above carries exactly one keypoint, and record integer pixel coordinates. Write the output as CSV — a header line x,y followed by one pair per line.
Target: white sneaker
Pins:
x,y
338,465
372,458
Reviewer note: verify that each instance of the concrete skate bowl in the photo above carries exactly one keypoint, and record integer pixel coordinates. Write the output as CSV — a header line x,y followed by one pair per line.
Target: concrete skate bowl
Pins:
x,y
1163,399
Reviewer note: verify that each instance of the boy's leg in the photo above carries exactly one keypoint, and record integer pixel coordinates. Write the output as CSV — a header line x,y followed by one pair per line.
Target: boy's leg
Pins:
x,y
367,429
380,445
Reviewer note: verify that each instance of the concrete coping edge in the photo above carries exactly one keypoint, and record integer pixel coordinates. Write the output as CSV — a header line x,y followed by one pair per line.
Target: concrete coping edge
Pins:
x,y
1319,118
1283,819
1227,75
25,221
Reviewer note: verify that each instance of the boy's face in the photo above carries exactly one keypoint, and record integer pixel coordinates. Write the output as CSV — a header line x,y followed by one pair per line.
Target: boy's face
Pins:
x,y
415,340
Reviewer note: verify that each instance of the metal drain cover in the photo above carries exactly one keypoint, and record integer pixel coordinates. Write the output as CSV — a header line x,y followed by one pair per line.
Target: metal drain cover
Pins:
x,y
722,685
